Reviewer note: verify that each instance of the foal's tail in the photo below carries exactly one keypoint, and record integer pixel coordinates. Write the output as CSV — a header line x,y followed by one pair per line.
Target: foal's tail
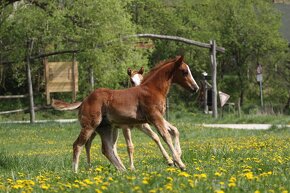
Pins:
x,y
64,106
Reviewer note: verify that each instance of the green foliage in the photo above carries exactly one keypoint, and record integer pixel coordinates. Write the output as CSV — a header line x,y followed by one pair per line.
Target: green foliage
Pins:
x,y
249,31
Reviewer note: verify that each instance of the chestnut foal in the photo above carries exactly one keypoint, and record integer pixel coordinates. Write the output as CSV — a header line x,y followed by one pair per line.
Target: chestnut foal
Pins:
x,y
136,78
137,105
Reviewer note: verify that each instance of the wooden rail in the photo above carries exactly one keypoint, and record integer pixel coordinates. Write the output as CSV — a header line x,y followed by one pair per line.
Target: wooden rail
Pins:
x,y
13,96
176,38
25,110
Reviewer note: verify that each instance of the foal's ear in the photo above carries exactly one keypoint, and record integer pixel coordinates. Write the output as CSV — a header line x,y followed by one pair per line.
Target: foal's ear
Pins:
x,y
129,71
179,60
141,71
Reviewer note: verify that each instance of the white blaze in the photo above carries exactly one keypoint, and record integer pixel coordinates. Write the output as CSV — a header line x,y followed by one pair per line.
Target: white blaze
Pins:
x,y
192,77
136,79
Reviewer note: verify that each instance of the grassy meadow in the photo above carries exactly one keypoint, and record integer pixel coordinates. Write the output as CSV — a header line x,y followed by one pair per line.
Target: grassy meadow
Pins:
x,y
37,158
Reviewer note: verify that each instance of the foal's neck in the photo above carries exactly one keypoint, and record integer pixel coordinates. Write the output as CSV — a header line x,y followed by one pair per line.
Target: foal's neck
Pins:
x,y
161,80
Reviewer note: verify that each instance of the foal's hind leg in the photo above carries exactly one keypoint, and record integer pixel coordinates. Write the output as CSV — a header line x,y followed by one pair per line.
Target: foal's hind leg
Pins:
x,y
130,146
88,147
108,137
82,139
148,131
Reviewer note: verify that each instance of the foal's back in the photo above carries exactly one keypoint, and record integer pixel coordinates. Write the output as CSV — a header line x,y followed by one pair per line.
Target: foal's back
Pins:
x,y
117,106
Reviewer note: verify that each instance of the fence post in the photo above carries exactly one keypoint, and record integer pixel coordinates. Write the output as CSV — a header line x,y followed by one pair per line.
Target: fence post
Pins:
x,y
74,93
213,74
46,72
92,79
31,101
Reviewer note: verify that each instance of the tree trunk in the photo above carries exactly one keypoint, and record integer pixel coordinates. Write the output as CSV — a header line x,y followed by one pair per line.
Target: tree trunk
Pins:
x,y
287,106
241,97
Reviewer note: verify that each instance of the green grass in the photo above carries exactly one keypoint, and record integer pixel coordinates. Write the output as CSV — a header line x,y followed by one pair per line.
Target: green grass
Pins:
x,y
191,117
37,158
279,119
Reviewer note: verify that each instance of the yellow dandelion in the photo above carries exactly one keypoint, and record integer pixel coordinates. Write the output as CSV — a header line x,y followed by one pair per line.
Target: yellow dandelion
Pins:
x,y
145,182
88,181
232,179
104,187
219,191
170,179
184,174
200,176
203,175
131,177
153,191
9,180
110,179
168,187
44,186
30,183
232,184
218,174
135,188
99,169
249,175
17,186
246,170
198,169
98,191
171,169
75,186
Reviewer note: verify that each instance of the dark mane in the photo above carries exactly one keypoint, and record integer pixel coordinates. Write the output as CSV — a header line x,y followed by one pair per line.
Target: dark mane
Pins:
x,y
157,67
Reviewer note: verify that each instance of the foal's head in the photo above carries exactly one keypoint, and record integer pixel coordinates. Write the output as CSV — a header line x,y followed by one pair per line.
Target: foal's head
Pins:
x,y
182,75
136,77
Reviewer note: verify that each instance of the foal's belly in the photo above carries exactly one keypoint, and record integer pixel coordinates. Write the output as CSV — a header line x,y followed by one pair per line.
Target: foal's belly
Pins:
x,y
125,118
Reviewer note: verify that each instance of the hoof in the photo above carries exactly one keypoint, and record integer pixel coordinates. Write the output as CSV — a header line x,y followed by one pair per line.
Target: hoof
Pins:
x,y
183,169
171,164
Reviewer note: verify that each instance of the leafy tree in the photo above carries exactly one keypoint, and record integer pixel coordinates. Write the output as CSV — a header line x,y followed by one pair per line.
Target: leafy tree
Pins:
x,y
249,30
93,27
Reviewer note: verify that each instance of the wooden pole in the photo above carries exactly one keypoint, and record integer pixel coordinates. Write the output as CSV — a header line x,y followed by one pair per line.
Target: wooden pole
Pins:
x,y
205,97
46,72
92,79
74,92
31,101
213,74
261,94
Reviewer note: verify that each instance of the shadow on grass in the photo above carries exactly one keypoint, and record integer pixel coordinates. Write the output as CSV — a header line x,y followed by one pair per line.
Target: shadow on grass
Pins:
x,y
8,162
276,128
33,163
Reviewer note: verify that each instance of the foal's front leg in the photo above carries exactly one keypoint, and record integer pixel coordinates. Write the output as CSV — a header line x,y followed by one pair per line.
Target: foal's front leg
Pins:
x,y
160,123
175,135
148,131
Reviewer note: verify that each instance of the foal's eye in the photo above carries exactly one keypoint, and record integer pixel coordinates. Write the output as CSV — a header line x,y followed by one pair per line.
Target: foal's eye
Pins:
x,y
185,72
